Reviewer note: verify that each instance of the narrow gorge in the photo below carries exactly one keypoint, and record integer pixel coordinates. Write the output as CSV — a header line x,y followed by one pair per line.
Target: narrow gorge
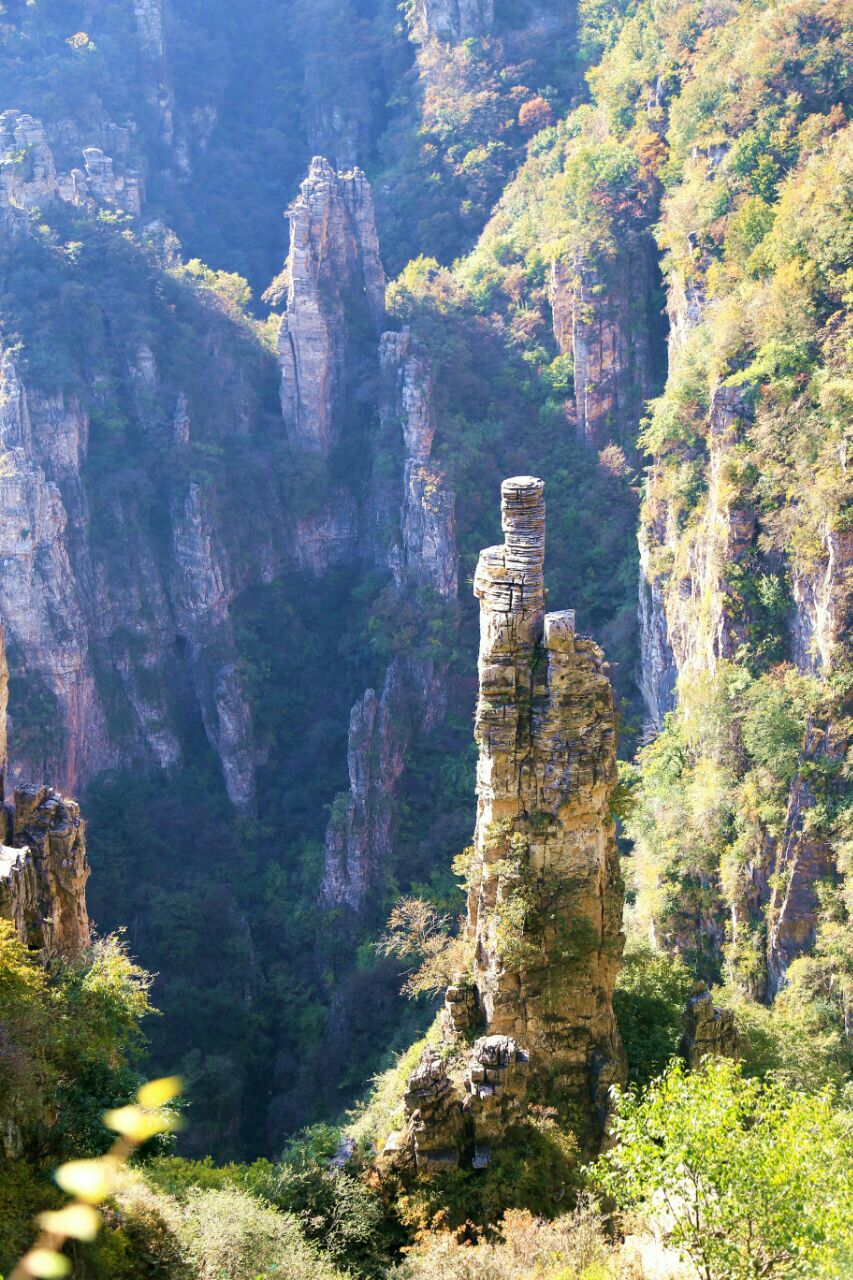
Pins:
x,y
289,296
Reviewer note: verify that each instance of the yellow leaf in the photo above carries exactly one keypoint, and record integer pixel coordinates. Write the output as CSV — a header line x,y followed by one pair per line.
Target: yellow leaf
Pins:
x,y
90,1180
156,1093
80,1221
46,1263
137,1124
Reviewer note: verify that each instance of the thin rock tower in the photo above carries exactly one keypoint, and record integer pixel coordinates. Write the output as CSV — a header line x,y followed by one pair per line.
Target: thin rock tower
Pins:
x,y
545,893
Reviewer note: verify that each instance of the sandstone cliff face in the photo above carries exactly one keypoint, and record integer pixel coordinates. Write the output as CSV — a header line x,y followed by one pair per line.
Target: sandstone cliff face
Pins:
x,y
599,316
545,892
336,282
95,639
42,600
43,864
693,612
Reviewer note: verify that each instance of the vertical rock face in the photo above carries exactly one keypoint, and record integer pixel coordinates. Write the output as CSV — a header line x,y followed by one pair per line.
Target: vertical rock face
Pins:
x,y
802,861
545,840
694,612
43,864
359,838
707,1031
690,617
41,602
335,277
545,893
454,20
159,93
417,541
600,317
824,604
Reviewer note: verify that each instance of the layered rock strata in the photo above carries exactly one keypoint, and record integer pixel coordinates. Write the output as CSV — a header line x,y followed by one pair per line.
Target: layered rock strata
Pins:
x,y
30,178
545,851
545,893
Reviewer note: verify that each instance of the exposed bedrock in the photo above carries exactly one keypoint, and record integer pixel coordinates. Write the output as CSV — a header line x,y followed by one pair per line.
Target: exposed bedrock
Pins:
x,y
693,615
545,892
43,864
601,317
416,539
336,285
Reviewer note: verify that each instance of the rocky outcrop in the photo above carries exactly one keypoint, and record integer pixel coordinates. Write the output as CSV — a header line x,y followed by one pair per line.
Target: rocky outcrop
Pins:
x,y
698,607
336,284
116,639
359,836
823,600
691,614
159,92
29,178
418,542
43,864
707,1031
803,860
545,893
43,444
454,20
658,674
600,316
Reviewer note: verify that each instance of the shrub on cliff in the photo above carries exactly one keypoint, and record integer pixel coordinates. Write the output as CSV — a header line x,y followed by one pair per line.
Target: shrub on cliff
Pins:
x,y
748,1179
574,1246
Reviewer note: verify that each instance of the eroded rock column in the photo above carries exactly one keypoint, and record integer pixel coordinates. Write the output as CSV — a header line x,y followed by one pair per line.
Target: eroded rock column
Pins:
x,y
545,902
545,893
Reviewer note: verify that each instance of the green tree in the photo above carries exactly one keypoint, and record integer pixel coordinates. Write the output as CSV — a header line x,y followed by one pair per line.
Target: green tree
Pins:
x,y
749,1179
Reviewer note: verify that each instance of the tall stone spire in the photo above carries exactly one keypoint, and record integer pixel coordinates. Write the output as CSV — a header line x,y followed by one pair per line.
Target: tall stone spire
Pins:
x,y
545,894
545,897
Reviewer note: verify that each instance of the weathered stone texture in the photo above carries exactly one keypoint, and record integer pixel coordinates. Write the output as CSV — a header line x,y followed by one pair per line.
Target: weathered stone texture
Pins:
x,y
454,20
419,541
43,864
29,178
359,838
802,860
693,614
545,898
546,773
416,540
334,272
707,1031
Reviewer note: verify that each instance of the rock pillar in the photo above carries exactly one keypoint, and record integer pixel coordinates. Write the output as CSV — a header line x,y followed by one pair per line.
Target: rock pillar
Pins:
x,y
545,894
